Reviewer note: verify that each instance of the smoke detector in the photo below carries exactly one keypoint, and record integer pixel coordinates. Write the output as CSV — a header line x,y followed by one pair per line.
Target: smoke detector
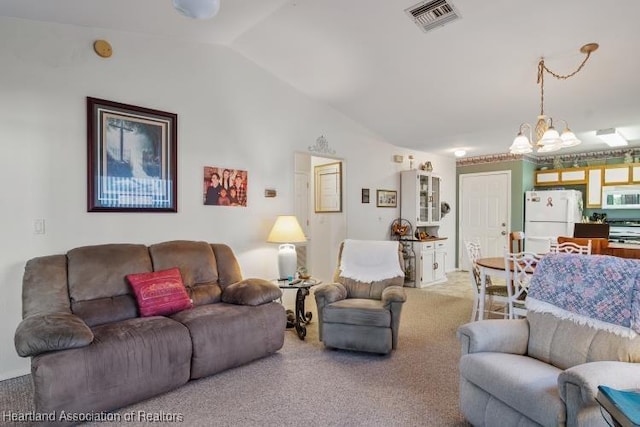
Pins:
x,y
432,13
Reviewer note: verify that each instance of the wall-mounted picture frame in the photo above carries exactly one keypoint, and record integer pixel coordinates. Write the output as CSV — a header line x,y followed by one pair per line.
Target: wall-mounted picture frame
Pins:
x,y
365,195
131,158
328,187
386,198
225,186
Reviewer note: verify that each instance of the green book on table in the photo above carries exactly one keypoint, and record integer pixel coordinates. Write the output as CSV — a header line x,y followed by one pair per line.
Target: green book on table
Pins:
x,y
622,405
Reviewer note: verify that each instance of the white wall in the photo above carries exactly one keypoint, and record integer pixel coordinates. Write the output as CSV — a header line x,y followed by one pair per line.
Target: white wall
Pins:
x,y
231,113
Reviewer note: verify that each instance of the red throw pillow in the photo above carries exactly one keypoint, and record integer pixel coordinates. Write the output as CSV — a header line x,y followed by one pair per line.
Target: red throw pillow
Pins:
x,y
160,293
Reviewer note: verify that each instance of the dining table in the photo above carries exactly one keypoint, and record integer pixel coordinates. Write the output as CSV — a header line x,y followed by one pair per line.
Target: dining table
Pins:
x,y
491,266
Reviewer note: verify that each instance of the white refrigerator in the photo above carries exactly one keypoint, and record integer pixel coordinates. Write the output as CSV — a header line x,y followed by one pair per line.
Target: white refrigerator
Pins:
x,y
549,214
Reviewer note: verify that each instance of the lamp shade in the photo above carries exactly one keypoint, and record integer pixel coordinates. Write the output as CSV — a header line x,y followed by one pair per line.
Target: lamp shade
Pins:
x,y
569,139
286,230
197,9
521,145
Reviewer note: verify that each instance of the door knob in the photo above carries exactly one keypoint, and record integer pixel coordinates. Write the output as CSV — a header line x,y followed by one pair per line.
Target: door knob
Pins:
x,y
504,233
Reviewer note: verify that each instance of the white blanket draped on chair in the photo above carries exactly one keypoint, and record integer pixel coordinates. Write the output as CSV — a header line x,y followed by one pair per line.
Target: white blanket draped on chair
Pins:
x,y
370,260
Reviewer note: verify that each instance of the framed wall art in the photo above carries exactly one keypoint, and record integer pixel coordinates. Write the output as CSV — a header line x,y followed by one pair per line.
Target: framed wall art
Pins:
x,y
365,195
132,158
225,186
386,198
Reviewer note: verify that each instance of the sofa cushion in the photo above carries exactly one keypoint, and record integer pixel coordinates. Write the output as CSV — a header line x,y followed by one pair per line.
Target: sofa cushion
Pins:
x,y
127,362
228,335
251,292
565,343
98,288
523,383
357,311
197,264
160,293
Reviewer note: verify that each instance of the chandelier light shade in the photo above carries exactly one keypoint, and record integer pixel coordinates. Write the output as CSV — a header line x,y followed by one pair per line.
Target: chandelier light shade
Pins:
x,y
287,230
197,9
547,139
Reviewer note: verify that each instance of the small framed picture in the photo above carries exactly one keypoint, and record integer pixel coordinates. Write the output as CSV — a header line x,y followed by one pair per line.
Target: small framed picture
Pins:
x,y
365,195
386,198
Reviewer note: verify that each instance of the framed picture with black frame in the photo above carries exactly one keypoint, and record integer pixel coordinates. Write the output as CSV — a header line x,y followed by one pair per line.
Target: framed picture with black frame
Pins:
x,y
386,198
131,158
365,195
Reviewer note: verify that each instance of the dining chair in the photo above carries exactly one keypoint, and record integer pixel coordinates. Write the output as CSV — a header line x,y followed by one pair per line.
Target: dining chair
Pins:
x,y
571,248
493,293
519,268
516,241
598,245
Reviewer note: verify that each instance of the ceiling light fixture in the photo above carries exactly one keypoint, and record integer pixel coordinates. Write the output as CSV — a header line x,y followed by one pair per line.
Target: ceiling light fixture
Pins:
x,y
197,9
459,153
547,139
612,138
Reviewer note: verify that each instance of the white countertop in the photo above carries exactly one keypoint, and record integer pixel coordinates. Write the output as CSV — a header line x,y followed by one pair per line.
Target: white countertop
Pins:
x,y
617,245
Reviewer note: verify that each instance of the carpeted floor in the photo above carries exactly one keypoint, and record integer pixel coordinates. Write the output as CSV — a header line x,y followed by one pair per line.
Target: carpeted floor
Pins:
x,y
306,384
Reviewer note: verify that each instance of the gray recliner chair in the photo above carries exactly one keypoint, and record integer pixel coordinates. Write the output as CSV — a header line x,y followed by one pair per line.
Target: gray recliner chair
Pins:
x,y
361,310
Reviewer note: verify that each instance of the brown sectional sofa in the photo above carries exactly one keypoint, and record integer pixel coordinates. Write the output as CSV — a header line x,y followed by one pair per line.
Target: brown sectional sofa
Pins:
x,y
90,349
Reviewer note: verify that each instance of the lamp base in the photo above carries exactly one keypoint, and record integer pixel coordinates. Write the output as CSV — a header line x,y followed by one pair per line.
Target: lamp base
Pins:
x,y
287,261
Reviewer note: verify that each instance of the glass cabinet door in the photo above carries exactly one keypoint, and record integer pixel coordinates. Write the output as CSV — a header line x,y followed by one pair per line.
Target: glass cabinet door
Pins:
x,y
424,193
435,195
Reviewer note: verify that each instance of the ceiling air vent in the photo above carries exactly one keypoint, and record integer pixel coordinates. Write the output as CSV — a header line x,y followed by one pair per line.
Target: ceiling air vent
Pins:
x,y
433,13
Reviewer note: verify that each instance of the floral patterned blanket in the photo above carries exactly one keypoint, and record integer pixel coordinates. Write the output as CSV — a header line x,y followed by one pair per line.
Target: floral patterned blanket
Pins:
x,y
597,290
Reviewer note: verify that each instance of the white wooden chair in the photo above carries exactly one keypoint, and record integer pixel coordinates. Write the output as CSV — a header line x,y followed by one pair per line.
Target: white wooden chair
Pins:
x,y
519,268
571,248
493,293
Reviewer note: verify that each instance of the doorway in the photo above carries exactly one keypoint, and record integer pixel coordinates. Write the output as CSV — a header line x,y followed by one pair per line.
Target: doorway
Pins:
x,y
485,213
324,230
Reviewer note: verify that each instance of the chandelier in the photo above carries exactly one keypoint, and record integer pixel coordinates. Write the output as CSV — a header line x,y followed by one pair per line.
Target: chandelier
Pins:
x,y
547,138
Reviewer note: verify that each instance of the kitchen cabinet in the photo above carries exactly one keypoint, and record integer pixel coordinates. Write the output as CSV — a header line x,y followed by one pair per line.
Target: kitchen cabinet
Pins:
x,y
561,176
636,173
616,174
431,262
420,198
594,188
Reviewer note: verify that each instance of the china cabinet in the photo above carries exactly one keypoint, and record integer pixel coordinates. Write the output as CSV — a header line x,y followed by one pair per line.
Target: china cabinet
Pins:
x,y
420,198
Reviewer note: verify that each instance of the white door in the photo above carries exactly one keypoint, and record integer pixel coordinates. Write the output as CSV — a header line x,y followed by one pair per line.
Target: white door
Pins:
x,y
324,231
485,212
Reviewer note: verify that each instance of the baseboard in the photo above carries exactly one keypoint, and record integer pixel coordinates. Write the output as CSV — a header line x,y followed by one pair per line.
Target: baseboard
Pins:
x,y
14,374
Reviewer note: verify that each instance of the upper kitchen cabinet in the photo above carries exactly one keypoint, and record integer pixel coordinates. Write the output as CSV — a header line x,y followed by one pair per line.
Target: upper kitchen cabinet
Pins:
x,y
420,198
561,176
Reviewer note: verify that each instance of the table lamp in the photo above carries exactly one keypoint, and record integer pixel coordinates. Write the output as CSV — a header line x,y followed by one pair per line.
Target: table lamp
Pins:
x,y
287,230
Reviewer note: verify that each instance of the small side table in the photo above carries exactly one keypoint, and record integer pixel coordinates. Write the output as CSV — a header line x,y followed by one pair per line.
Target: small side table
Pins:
x,y
299,319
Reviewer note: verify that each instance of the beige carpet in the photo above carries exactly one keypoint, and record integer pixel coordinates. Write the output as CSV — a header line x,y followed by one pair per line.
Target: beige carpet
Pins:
x,y
305,384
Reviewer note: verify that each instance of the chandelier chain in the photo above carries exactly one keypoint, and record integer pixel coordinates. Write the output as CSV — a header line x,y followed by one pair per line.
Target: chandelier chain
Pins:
x,y
542,68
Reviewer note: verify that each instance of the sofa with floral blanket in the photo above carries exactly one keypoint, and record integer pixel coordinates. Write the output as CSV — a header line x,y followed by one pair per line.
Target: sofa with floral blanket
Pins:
x,y
581,331
109,325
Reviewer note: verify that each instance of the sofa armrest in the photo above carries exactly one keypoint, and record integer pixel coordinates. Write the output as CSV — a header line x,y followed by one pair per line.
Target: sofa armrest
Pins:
x,y
588,376
328,293
495,335
393,294
251,292
41,333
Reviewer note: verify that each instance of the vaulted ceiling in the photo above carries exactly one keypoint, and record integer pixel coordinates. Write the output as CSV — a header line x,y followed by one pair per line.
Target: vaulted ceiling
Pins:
x,y
468,84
